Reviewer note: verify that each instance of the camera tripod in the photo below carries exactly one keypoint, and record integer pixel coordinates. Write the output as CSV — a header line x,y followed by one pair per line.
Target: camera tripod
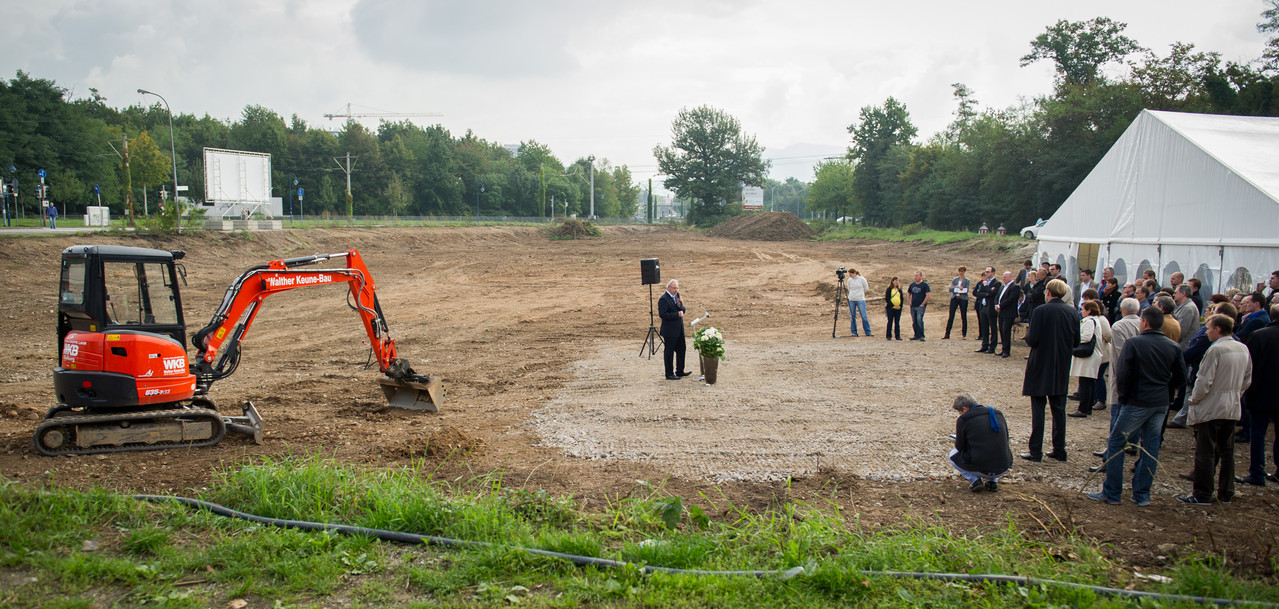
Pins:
x,y
839,291
651,341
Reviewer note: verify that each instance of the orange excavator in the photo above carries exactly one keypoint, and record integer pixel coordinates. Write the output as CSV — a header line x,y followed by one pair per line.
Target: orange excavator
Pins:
x,y
124,382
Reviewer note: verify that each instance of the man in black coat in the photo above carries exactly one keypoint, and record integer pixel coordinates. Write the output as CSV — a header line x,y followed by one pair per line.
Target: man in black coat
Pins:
x,y
1149,366
671,309
1006,308
981,451
1052,336
986,310
1262,400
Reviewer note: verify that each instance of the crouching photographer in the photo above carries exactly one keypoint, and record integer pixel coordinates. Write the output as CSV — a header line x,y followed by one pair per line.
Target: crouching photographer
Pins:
x,y
981,452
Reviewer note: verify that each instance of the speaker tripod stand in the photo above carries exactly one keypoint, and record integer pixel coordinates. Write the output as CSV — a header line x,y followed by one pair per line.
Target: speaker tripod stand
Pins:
x,y
651,341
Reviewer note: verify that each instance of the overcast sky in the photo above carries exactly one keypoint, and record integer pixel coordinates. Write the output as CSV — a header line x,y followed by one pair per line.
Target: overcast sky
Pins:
x,y
602,78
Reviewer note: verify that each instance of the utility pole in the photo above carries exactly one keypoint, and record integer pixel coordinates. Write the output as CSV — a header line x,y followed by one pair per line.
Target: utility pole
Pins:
x,y
541,182
350,206
128,177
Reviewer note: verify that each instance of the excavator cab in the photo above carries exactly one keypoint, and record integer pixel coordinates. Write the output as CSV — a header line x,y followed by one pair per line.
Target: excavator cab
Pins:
x,y
106,287
120,329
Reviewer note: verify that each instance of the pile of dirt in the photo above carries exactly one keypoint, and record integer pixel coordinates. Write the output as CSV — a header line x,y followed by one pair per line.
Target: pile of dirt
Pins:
x,y
573,229
770,226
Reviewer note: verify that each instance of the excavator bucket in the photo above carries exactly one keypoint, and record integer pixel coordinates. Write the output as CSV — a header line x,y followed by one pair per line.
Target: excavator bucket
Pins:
x,y
413,395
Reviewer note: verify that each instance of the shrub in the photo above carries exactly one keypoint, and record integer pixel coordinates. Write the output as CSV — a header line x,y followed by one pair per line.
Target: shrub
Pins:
x,y
573,229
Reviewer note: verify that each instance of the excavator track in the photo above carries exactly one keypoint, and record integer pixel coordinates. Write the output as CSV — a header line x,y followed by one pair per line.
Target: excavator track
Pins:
x,y
66,433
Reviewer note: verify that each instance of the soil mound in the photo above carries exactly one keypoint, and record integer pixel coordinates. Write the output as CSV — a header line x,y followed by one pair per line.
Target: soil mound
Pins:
x,y
770,226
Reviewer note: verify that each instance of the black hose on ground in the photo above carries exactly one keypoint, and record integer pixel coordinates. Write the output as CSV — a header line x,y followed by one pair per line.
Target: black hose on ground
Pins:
x,y
414,539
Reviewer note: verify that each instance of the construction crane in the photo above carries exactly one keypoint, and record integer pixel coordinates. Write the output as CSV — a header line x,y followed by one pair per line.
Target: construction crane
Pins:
x,y
350,116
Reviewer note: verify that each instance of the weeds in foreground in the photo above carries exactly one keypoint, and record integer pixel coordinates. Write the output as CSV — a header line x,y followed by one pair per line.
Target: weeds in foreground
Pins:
x,y
97,548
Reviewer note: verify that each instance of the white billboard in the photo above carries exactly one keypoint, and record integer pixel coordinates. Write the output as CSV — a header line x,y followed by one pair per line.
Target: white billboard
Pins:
x,y
238,184
752,197
235,176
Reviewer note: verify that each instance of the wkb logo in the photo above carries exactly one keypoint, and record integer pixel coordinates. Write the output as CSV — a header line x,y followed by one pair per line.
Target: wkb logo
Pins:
x,y
175,365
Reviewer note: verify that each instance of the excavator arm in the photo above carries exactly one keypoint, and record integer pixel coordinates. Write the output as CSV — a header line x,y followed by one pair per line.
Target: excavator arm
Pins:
x,y
218,343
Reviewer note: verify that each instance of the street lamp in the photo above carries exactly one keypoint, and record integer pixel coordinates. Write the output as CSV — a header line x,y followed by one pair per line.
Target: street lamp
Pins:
x,y
173,151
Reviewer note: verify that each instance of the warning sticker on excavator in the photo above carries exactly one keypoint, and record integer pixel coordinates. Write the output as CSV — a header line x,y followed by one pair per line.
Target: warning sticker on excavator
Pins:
x,y
113,337
220,334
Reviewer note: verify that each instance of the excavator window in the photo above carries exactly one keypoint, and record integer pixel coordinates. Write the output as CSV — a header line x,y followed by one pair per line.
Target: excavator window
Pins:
x,y
131,297
71,286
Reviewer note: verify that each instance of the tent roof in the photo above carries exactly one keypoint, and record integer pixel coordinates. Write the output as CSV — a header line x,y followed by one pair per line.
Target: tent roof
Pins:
x,y
1175,177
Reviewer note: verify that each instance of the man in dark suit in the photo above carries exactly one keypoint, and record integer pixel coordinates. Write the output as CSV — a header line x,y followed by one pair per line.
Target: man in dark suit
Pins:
x,y
987,311
1006,308
671,309
1052,336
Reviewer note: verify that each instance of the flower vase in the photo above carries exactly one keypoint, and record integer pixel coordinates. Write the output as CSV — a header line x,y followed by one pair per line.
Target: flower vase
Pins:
x,y
710,366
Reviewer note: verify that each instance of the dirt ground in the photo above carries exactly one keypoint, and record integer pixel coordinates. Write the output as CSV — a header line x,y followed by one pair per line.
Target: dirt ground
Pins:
x,y
539,343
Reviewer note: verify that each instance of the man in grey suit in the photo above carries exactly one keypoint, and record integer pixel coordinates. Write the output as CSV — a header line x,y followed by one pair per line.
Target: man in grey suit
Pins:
x,y
1224,374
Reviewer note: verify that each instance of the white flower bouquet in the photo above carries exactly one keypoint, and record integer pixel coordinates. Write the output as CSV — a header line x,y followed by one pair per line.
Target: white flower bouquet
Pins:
x,y
709,342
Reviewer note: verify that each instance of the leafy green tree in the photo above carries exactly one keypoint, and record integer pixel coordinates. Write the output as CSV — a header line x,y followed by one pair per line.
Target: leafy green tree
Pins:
x,y
1270,25
328,197
708,161
1241,89
1177,82
66,189
1078,49
397,196
876,134
832,190
148,165
790,195
627,192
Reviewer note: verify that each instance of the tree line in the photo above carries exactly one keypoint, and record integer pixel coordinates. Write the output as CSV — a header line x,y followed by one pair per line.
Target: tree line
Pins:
x,y
401,169
1011,166
994,166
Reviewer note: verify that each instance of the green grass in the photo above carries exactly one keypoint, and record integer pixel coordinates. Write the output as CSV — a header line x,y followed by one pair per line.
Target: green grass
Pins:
x,y
145,554
829,231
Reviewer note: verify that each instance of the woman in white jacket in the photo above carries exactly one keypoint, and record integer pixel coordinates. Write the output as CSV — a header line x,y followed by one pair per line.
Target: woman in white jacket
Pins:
x,y
1093,325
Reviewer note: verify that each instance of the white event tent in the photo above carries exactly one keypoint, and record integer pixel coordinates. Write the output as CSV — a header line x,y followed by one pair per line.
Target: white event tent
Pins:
x,y
1195,193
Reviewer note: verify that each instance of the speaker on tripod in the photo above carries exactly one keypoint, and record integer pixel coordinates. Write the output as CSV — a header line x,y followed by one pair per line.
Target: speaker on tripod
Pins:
x,y
650,273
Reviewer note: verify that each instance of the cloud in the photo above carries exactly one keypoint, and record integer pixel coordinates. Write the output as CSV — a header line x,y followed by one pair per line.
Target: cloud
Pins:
x,y
483,39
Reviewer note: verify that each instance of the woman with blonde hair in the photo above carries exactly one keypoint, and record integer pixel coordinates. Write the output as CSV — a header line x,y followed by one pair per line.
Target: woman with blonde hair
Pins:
x,y
1095,328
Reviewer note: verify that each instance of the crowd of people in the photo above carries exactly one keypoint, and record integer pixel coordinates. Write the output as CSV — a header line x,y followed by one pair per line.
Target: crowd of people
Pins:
x,y
1143,352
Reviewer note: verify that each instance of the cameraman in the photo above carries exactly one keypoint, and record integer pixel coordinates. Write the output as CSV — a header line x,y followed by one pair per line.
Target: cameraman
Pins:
x,y
857,287
981,451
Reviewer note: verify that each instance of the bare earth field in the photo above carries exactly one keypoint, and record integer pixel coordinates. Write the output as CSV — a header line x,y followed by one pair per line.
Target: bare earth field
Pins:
x,y
538,342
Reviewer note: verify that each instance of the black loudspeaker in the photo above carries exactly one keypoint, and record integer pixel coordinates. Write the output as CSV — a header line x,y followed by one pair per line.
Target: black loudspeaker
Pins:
x,y
650,271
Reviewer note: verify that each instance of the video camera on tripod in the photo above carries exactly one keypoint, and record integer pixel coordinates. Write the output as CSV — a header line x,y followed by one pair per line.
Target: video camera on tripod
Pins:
x,y
840,273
